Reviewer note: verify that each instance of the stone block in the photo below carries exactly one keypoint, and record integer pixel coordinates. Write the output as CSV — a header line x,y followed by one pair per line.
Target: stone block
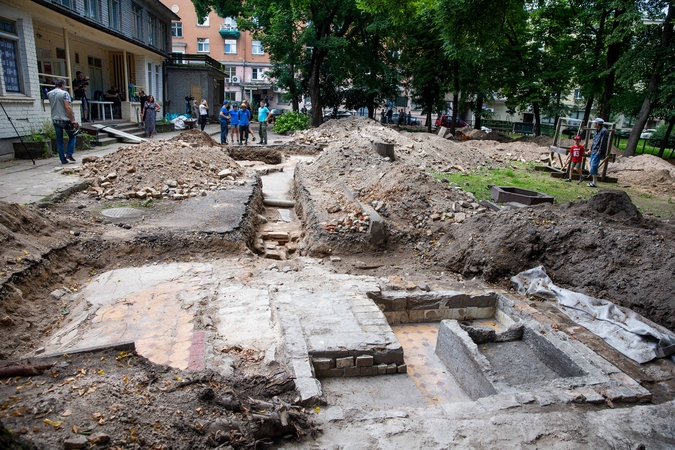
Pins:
x,y
381,369
352,372
368,371
591,395
364,361
310,391
330,373
342,363
394,317
402,368
391,369
323,363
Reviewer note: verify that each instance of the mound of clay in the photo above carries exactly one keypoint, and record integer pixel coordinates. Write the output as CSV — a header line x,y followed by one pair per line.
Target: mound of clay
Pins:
x,y
498,136
615,204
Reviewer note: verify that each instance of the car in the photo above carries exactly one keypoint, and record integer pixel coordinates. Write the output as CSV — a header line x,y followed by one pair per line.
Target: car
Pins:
x,y
622,133
446,121
572,129
275,112
647,134
337,115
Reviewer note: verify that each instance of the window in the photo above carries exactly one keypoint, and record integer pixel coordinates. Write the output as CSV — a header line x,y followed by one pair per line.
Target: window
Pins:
x,y
231,96
137,21
66,3
9,53
230,71
256,48
205,23
257,74
230,46
114,14
202,45
91,9
577,94
177,29
162,36
152,30
229,24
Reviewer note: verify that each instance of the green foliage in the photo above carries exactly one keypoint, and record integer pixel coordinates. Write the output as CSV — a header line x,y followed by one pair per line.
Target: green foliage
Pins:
x,y
658,136
291,121
38,134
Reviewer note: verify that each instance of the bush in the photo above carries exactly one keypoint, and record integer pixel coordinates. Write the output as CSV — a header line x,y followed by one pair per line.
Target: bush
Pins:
x,y
291,121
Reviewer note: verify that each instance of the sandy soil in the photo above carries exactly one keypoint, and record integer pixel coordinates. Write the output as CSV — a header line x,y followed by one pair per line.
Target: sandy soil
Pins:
x,y
602,246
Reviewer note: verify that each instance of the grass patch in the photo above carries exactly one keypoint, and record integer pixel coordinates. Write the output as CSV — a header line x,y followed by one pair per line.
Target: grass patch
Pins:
x,y
523,175
644,147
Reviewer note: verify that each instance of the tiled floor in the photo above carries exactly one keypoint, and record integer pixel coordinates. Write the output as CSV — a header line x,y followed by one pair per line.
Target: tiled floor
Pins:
x,y
425,369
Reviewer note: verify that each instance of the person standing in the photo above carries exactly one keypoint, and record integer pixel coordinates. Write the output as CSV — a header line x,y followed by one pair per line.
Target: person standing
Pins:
x,y
576,158
224,117
203,112
63,119
234,124
142,98
263,117
244,121
150,110
80,85
598,149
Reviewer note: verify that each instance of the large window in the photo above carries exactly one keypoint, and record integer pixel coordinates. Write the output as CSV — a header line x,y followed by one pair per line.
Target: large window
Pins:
x,y
256,48
136,22
162,36
177,29
152,30
230,71
9,52
257,74
231,96
91,9
202,45
231,46
114,14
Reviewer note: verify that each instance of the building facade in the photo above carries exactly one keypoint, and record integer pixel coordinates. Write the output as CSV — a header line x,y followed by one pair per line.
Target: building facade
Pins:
x,y
244,60
121,43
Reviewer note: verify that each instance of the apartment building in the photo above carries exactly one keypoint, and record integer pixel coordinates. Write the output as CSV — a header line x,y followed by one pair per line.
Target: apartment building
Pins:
x,y
121,43
243,58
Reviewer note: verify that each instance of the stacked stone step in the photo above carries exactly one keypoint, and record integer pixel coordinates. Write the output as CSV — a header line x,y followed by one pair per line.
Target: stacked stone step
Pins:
x,y
358,366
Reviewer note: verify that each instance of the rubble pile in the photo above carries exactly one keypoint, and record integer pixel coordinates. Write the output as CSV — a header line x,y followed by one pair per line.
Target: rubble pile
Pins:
x,y
188,165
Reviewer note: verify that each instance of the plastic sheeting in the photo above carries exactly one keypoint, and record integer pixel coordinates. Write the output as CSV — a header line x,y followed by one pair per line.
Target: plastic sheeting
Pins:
x,y
633,335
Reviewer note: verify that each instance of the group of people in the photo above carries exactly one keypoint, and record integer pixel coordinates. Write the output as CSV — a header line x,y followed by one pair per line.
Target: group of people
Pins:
x,y
388,117
237,121
597,153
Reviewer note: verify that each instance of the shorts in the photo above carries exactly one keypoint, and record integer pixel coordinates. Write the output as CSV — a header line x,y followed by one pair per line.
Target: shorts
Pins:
x,y
234,127
595,163
577,165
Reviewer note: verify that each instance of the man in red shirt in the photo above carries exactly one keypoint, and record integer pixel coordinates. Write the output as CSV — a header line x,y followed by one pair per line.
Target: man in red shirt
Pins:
x,y
577,155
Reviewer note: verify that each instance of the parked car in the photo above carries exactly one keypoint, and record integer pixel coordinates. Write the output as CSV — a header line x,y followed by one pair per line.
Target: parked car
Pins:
x,y
446,121
622,133
646,134
339,115
572,129
274,113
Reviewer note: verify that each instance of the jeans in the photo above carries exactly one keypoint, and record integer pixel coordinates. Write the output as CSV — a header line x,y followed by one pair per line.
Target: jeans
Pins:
x,y
263,132
203,121
59,128
223,131
243,134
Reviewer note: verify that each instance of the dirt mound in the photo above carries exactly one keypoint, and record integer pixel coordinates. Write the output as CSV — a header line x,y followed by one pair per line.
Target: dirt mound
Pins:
x,y
498,136
542,141
601,247
189,164
647,172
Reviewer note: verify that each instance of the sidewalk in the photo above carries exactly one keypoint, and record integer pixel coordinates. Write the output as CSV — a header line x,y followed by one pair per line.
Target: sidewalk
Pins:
x,y
22,182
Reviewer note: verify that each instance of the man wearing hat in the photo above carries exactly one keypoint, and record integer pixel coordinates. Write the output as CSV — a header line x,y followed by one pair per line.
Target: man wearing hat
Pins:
x,y
224,117
598,149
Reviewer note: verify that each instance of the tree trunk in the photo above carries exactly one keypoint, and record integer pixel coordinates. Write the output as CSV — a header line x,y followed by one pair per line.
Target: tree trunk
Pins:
x,y
314,86
479,109
294,90
664,142
537,119
654,81
370,104
613,54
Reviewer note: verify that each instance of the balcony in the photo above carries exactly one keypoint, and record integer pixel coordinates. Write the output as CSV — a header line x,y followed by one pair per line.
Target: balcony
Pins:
x,y
229,32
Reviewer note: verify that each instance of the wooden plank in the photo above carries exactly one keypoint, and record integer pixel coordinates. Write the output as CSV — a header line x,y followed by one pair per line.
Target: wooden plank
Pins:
x,y
118,133
561,150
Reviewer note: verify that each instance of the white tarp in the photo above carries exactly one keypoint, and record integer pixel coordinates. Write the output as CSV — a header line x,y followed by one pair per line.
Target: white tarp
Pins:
x,y
179,122
633,335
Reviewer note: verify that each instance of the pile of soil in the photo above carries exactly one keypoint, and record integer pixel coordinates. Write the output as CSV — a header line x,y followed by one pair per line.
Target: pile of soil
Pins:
x,y
116,399
649,172
602,247
189,164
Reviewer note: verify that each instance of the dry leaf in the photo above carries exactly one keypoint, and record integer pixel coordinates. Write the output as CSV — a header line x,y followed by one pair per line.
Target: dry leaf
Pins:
x,y
66,413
